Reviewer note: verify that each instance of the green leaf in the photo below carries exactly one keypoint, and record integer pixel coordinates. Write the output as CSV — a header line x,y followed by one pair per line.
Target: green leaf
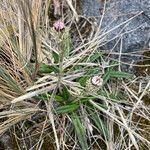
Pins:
x,y
98,122
67,108
120,74
83,80
46,97
66,44
108,71
77,68
95,56
48,69
114,98
80,131
43,97
56,57
106,77
65,93
86,99
58,98
93,71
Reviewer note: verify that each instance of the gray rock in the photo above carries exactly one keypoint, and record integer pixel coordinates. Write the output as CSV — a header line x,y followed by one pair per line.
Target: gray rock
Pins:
x,y
133,29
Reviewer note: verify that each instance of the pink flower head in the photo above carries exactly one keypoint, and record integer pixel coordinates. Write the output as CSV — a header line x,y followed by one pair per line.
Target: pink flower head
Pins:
x,y
59,25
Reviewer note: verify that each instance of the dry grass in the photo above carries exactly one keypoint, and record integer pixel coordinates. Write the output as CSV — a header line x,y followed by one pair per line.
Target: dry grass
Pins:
x,y
27,41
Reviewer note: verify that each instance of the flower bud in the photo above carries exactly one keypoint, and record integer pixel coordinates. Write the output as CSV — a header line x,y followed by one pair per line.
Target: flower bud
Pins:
x,y
94,84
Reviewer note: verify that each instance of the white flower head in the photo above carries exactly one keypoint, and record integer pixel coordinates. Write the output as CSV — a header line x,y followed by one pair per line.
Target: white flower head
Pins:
x,y
97,81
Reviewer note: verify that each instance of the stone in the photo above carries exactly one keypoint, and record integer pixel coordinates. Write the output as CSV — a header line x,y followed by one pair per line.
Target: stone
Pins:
x,y
132,18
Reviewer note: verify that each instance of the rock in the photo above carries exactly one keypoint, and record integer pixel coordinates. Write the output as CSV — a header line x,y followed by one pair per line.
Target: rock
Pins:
x,y
132,18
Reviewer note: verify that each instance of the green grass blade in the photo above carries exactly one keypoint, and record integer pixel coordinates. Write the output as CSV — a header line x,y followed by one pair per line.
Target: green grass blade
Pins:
x,y
9,80
120,74
67,108
80,131
99,123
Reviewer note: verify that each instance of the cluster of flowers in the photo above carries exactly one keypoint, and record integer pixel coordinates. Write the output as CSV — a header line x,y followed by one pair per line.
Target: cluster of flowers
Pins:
x,y
59,25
